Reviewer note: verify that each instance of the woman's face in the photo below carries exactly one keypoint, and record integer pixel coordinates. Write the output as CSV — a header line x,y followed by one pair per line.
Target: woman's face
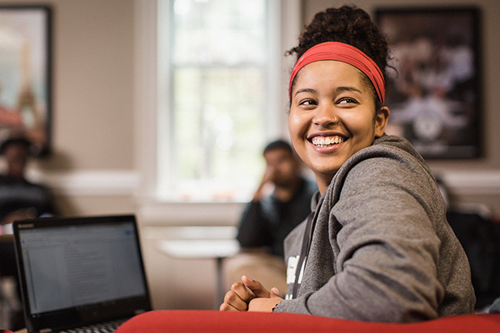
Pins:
x,y
332,116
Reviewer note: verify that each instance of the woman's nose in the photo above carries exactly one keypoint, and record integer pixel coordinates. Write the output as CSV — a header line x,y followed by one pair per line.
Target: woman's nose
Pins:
x,y
325,116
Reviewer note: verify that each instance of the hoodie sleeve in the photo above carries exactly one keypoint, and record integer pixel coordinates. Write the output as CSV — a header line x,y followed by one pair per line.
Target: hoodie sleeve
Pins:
x,y
375,247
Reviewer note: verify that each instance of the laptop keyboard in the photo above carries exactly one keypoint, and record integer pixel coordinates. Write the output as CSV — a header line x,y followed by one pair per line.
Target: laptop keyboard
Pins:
x,y
101,328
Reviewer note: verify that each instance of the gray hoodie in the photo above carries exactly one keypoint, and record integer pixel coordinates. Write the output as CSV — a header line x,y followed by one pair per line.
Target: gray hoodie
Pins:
x,y
381,248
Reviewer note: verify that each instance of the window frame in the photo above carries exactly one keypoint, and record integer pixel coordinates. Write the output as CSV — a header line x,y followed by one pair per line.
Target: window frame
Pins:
x,y
147,102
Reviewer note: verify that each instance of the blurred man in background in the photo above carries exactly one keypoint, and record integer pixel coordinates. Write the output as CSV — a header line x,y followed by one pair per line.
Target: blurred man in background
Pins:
x,y
281,201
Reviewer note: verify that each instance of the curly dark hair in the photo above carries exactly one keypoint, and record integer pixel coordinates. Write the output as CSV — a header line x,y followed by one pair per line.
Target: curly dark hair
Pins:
x,y
349,25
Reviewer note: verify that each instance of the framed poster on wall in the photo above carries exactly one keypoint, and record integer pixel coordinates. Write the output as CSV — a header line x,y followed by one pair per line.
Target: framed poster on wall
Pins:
x,y
25,75
434,88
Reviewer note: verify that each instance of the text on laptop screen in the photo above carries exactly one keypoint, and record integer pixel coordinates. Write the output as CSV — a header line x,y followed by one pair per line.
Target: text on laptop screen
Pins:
x,y
83,264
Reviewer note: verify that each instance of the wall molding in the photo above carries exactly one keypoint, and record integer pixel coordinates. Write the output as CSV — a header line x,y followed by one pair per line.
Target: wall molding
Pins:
x,y
99,183
472,183
89,182
128,182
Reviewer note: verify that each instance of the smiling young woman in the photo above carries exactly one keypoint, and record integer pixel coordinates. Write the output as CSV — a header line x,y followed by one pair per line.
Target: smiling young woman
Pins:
x,y
377,246
332,116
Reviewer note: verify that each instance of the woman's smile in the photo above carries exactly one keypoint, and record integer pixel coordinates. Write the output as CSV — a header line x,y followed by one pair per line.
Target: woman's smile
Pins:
x,y
326,141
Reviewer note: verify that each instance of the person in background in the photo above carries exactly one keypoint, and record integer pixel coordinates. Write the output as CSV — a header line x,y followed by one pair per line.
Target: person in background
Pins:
x,y
20,198
269,217
378,246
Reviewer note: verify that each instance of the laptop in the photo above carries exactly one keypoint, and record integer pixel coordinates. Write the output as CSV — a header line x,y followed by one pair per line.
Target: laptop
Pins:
x,y
80,272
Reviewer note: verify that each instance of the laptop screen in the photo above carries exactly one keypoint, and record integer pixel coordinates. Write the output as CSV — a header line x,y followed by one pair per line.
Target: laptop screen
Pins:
x,y
82,268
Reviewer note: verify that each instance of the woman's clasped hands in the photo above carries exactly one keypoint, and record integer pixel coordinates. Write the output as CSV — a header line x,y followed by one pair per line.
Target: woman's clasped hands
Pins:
x,y
250,295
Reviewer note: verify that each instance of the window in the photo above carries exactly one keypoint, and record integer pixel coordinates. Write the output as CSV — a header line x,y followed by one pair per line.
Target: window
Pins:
x,y
218,96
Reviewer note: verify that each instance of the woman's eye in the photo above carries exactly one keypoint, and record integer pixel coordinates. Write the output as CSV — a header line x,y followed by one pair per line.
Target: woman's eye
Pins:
x,y
307,102
347,100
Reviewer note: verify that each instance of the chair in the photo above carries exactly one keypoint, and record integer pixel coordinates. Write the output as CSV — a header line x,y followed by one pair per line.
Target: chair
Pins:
x,y
8,279
262,322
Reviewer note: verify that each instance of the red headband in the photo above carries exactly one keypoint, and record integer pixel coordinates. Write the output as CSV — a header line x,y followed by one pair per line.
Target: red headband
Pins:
x,y
344,53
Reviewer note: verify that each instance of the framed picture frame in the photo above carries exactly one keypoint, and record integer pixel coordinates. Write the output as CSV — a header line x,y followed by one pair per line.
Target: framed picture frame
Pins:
x,y
25,75
434,86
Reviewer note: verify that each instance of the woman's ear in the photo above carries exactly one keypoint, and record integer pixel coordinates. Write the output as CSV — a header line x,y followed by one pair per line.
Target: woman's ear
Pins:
x,y
381,119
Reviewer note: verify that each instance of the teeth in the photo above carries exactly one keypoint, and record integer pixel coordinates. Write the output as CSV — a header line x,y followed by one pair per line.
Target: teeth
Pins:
x,y
321,141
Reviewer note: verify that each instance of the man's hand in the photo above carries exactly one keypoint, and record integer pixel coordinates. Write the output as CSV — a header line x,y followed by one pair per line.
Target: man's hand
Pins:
x,y
265,183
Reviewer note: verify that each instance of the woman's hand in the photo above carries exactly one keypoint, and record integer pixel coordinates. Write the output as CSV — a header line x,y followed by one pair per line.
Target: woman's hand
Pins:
x,y
265,304
237,298
242,294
